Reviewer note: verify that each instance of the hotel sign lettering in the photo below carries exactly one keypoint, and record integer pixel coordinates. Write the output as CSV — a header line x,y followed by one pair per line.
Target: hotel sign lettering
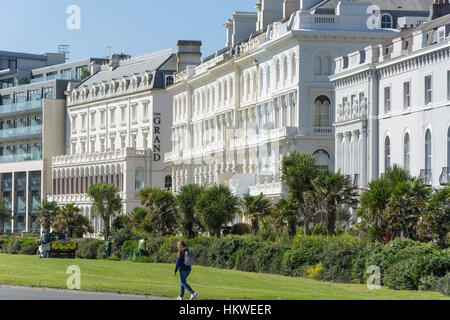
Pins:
x,y
156,137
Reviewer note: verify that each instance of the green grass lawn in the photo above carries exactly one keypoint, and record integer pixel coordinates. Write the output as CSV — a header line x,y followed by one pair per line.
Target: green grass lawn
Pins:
x,y
158,279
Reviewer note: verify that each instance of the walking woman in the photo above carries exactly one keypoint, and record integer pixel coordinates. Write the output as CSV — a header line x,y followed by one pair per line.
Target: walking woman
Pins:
x,y
184,270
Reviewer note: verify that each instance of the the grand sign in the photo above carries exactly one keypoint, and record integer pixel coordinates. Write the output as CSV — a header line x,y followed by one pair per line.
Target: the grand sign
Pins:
x,y
156,137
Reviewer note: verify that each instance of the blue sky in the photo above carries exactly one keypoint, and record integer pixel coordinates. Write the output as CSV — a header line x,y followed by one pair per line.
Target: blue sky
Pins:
x,y
133,26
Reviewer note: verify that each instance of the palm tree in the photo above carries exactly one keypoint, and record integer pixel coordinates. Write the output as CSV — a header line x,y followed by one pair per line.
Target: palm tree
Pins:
x,y
374,201
297,172
254,208
46,213
162,210
286,211
334,190
106,203
71,221
185,200
435,224
395,175
406,206
215,207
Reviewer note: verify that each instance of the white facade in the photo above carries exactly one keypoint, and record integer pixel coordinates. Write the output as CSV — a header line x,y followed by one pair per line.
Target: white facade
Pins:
x,y
240,112
119,130
394,106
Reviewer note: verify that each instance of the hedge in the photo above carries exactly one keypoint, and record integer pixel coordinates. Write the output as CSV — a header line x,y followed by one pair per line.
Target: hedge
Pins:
x,y
404,264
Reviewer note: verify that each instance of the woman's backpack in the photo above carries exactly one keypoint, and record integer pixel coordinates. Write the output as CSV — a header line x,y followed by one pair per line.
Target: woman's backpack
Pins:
x,y
188,258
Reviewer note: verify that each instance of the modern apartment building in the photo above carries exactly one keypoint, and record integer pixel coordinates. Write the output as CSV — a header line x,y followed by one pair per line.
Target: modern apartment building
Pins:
x,y
267,92
118,130
394,104
32,128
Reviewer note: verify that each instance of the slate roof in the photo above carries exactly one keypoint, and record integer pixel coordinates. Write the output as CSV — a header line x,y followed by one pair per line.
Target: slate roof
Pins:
x,y
149,63
391,5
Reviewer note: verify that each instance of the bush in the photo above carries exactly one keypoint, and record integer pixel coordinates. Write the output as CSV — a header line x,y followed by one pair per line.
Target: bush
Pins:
x,y
243,258
268,257
220,252
13,246
166,249
118,238
28,247
128,249
3,242
241,229
443,285
90,248
398,276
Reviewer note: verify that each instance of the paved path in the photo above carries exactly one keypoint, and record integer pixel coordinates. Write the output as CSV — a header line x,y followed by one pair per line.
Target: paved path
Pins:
x,y
25,293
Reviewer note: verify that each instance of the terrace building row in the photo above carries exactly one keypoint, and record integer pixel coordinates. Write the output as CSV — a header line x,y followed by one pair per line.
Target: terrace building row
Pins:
x,y
268,91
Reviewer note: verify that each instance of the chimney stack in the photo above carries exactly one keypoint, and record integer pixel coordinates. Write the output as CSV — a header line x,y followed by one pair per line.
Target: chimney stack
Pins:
x,y
114,61
189,54
439,9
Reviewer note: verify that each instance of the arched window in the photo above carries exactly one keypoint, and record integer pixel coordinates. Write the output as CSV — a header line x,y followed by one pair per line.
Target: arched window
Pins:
x,y
293,66
139,178
267,80
326,66
168,183
322,112
387,153
323,160
318,66
407,153
285,69
448,149
225,91
277,73
386,21
428,151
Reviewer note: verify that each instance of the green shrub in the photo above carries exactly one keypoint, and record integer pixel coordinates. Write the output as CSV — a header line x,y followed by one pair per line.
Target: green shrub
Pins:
x,y
118,238
28,247
13,246
243,258
399,276
113,258
293,263
3,242
443,285
220,252
90,248
241,229
167,249
268,257
128,249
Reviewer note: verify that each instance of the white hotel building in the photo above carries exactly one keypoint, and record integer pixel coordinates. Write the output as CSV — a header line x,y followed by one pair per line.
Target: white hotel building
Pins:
x,y
267,93
119,131
394,104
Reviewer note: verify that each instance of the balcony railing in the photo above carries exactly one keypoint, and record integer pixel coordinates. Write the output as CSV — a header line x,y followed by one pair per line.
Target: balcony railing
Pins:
x,y
20,106
427,176
444,179
20,132
21,157
356,180
62,76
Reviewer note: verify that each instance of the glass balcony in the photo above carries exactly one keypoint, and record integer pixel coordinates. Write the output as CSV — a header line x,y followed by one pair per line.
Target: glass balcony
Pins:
x,y
427,176
20,107
21,157
444,179
62,76
20,132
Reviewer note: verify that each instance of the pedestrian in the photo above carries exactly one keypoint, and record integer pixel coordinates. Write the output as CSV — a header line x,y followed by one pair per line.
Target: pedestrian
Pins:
x,y
142,247
108,245
185,270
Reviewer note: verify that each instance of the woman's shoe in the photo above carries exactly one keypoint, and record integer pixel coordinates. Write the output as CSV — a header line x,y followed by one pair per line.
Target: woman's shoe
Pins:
x,y
180,298
193,296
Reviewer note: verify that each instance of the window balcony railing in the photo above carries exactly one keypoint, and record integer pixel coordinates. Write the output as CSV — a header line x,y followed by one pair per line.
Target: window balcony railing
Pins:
x,y
356,180
61,76
444,179
21,132
20,157
427,176
21,106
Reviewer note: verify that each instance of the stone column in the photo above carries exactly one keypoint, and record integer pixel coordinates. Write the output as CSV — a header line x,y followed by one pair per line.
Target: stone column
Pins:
x,y
363,154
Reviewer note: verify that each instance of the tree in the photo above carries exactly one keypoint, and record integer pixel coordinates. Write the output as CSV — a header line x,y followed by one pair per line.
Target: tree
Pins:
x,y
435,223
334,190
5,213
254,208
297,172
106,203
216,207
46,214
70,220
406,205
373,202
286,211
162,210
185,200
